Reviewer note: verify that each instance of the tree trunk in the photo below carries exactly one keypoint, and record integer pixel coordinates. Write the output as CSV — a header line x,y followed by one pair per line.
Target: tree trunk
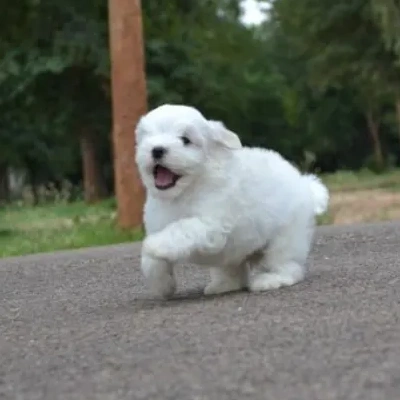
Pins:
x,y
397,107
373,127
94,189
129,103
4,184
32,174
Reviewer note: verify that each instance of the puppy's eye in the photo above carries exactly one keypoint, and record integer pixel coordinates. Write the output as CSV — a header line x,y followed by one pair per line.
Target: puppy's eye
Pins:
x,y
185,140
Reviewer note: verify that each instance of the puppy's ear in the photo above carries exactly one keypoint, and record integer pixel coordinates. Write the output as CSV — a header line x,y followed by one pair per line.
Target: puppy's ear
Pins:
x,y
223,136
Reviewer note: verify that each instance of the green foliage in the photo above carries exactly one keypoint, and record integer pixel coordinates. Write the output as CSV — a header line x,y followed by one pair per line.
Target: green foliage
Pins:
x,y
344,49
300,83
387,14
52,81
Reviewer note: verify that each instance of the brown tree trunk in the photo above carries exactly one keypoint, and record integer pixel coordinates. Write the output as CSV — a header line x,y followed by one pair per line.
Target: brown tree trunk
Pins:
x,y
373,127
93,184
129,101
4,184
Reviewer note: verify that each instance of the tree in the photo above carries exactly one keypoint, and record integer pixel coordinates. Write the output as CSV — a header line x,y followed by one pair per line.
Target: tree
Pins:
x,y
129,104
4,183
298,84
344,49
75,48
387,16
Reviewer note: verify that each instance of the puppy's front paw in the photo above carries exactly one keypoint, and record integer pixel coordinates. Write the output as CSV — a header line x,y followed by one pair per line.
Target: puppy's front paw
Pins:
x,y
159,276
164,288
153,246
269,281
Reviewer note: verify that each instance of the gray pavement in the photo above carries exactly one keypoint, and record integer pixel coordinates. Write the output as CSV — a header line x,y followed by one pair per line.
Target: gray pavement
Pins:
x,y
80,325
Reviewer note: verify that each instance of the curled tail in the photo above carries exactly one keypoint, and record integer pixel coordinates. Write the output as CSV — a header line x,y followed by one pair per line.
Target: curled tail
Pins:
x,y
319,193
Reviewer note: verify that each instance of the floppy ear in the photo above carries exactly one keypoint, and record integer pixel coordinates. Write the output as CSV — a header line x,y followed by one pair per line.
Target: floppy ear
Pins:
x,y
224,136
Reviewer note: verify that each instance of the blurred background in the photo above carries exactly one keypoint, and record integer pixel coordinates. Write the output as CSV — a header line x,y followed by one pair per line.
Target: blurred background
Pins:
x,y
318,81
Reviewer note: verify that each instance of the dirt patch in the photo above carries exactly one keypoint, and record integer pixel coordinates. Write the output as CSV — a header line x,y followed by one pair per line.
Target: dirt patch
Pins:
x,y
364,206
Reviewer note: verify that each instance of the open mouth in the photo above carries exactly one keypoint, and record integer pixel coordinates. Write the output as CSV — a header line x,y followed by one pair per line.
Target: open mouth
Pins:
x,y
164,178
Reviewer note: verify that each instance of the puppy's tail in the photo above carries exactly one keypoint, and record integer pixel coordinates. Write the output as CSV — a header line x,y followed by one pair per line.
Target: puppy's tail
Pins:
x,y
319,193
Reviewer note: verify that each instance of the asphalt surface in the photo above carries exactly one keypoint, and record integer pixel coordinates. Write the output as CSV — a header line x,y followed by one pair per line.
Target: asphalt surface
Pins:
x,y
81,325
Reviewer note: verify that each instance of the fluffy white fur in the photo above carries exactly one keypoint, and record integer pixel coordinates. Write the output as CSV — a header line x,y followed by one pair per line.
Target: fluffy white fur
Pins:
x,y
234,209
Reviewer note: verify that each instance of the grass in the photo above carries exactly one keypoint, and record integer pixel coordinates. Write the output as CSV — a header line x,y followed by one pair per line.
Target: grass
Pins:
x,y
355,197
362,197
349,181
26,230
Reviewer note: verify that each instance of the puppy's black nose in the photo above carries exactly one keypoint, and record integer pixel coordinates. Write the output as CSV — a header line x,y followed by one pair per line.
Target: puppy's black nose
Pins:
x,y
158,152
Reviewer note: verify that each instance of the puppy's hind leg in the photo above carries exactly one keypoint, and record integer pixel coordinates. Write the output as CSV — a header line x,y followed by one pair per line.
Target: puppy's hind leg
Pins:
x,y
285,257
227,279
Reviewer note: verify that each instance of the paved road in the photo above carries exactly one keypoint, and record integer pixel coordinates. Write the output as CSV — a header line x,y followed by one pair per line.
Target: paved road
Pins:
x,y
80,325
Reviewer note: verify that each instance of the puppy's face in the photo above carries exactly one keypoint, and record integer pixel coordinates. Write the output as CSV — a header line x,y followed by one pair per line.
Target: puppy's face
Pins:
x,y
173,144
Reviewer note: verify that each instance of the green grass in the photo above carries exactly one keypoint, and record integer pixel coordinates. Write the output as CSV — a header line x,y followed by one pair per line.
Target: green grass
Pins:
x,y
346,181
26,230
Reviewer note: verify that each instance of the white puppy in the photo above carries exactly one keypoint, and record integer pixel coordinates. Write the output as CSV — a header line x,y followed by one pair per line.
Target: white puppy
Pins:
x,y
214,203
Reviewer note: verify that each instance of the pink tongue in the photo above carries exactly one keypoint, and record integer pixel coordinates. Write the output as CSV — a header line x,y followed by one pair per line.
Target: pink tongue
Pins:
x,y
164,177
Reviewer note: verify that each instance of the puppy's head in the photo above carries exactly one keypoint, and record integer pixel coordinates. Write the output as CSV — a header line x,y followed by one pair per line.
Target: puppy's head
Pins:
x,y
173,144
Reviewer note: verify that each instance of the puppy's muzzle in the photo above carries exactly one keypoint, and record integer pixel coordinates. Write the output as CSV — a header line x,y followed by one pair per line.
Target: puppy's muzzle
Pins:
x,y
158,152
